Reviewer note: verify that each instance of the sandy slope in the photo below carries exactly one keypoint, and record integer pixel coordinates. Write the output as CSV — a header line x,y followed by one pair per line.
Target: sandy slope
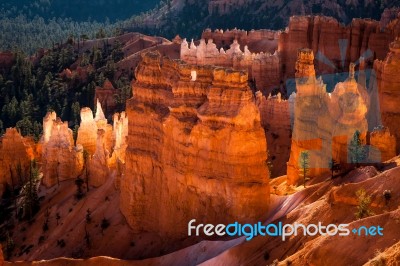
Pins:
x,y
326,201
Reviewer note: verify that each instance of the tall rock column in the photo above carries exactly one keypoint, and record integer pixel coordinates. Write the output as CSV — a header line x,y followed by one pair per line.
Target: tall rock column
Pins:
x,y
16,153
196,149
311,128
61,160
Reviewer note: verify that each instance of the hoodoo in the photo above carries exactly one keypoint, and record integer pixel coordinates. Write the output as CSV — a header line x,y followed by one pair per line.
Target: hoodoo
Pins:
x,y
196,149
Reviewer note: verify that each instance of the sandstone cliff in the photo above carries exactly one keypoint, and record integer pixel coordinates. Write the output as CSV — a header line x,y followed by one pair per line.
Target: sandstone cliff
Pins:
x,y
104,145
61,160
275,119
263,68
324,123
16,153
256,40
106,96
196,149
389,90
87,131
384,145
339,45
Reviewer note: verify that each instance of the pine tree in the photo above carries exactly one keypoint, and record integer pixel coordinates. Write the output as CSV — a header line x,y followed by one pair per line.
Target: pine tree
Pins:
x,y
30,198
304,165
357,151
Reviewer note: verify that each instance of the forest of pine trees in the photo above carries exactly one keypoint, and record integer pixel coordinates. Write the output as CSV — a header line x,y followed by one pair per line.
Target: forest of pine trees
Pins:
x,y
30,90
30,25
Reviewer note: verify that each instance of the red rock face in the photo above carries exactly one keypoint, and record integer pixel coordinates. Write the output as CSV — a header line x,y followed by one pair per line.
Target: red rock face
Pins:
x,y
61,160
384,143
324,123
263,68
275,119
87,132
106,96
389,90
16,153
322,34
196,149
256,40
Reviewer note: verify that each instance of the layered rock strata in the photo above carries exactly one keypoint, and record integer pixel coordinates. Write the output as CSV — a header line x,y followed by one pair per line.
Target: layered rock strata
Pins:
x,y
338,44
388,80
196,149
106,96
275,119
257,40
384,145
16,153
61,160
324,123
103,145
263,68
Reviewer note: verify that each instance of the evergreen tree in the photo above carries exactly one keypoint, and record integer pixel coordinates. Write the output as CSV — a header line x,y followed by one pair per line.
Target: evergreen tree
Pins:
x,y
304,165
357,151
30,200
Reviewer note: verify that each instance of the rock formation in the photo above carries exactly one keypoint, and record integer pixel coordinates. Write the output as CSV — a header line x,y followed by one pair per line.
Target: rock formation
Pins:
x,y
388,79
61,160
104,146
256,40
120,133
334,44
348,107
87,132
324,123
309,109
16,153
263,68
275,119
99,164
106,96
383,145
196,149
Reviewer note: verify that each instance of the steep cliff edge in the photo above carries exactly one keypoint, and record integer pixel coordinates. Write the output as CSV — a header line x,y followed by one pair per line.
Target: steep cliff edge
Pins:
x,y
196,149
389,89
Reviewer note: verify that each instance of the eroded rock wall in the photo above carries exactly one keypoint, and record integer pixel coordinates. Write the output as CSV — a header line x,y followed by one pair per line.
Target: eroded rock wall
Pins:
x,y
61,160
324,123
388,80
338,44
263,68
16,153
275,119
196,149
